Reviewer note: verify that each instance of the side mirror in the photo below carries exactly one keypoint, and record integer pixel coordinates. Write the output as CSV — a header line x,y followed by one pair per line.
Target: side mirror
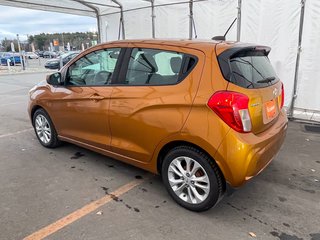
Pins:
x,y
54,79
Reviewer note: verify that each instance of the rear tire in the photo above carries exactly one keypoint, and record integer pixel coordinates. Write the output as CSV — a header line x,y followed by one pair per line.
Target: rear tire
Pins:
x,y
44,129
192,179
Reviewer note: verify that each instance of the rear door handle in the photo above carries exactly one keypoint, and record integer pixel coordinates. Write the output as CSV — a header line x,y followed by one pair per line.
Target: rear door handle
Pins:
x,y
97,97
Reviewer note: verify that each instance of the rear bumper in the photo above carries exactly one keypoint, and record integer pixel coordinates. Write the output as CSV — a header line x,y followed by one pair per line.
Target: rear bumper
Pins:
x,y
245,154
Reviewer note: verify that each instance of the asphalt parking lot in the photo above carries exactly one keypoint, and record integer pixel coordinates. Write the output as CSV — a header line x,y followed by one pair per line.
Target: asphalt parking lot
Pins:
x,y
31,66
106,199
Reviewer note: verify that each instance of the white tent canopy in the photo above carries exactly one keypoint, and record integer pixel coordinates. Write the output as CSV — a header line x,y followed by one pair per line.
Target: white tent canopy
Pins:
x,y
274,23
174,15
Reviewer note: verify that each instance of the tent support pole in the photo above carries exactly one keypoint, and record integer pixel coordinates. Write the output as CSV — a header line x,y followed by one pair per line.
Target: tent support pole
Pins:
x,y
99,28
296,73
153,16
47,7
121,26
190,19
96,10
239,21
156,5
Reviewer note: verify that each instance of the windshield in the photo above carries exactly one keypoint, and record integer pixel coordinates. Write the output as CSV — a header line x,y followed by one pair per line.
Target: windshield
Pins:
x,y
252,70
66,55
69,55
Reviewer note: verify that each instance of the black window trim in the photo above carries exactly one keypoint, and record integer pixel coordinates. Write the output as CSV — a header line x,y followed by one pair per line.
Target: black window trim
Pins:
x,y
125,64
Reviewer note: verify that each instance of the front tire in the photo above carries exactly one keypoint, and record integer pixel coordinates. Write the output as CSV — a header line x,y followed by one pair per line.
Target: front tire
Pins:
x,y
44,129
192,179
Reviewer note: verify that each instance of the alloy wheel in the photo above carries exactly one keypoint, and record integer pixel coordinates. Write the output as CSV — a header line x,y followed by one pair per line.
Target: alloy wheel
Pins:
x,y
43,129
188,180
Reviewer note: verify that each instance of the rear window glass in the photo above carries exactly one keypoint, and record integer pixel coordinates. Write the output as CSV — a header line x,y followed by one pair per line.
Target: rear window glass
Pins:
x,y
251,69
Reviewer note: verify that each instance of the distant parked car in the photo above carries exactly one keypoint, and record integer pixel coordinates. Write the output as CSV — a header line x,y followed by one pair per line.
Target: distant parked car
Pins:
x,y
50,54
14,58
40,53
61,52
55,63
32,55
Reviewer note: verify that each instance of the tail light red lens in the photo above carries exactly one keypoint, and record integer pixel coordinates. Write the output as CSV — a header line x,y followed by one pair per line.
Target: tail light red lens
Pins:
x,y
232,108
282,96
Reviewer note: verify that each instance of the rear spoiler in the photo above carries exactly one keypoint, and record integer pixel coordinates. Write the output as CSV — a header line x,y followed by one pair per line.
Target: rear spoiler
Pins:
x,y
233,51
225,56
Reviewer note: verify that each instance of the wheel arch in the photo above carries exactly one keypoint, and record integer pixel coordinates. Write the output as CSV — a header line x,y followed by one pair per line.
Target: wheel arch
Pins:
x,y
34,109
53,141
172,144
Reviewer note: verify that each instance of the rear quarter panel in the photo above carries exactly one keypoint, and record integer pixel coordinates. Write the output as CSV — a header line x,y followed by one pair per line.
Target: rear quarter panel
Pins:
x,y
203,127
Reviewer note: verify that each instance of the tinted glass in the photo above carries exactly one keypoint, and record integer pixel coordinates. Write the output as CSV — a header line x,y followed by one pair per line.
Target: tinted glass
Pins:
x,y
252,70
153,67
95,68
65,55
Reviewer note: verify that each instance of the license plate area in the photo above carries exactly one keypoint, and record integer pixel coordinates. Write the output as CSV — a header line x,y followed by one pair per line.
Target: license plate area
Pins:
x,y
270,107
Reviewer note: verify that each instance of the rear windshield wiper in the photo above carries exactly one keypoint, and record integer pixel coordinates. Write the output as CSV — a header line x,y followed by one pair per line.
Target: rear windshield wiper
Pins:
x,y
266,80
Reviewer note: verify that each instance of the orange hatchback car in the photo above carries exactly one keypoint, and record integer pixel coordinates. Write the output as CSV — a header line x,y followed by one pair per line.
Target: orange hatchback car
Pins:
x,y
206,115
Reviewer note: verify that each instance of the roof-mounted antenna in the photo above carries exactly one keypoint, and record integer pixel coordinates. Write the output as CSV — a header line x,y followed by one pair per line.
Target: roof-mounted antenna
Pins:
x,y
223,38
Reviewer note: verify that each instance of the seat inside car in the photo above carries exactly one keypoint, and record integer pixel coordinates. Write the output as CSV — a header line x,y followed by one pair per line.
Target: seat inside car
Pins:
x,y
175,64
102,77
143,70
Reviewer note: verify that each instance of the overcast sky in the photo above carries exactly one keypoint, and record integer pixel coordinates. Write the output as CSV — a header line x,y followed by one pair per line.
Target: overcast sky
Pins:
x,y
24,21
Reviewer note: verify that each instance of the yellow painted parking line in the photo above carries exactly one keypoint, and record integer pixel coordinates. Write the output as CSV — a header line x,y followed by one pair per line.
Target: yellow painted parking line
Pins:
x,y
15,133
85,210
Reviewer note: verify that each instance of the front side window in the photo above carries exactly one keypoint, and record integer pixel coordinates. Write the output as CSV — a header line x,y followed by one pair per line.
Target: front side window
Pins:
x,y
93,69
153,67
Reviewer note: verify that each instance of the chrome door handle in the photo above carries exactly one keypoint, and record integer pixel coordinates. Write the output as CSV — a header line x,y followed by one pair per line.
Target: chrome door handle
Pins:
x,y
97,97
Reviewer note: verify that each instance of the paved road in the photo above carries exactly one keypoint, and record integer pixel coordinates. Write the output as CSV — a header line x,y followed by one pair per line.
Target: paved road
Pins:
x,y
40,186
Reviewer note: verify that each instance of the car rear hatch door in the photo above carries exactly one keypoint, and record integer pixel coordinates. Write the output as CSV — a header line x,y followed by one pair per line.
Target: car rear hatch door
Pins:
x,y
249,71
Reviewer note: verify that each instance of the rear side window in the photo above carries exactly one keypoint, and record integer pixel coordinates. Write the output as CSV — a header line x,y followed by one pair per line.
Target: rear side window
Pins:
x,y
156,67
249,69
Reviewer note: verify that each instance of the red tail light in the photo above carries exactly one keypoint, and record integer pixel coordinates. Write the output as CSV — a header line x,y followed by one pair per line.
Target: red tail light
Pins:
x,y
282,96
232,108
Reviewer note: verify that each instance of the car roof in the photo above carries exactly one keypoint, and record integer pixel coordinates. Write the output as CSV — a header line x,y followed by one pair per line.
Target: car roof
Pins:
x,y
195,43
202,44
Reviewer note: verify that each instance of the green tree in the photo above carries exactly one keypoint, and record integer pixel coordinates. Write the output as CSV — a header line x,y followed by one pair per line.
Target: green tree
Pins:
x,y
6,44
40,40
30,39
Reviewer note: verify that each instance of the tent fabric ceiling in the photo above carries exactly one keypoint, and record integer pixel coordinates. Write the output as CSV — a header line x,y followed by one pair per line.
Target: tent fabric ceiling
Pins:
x,y
85,7
62,6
